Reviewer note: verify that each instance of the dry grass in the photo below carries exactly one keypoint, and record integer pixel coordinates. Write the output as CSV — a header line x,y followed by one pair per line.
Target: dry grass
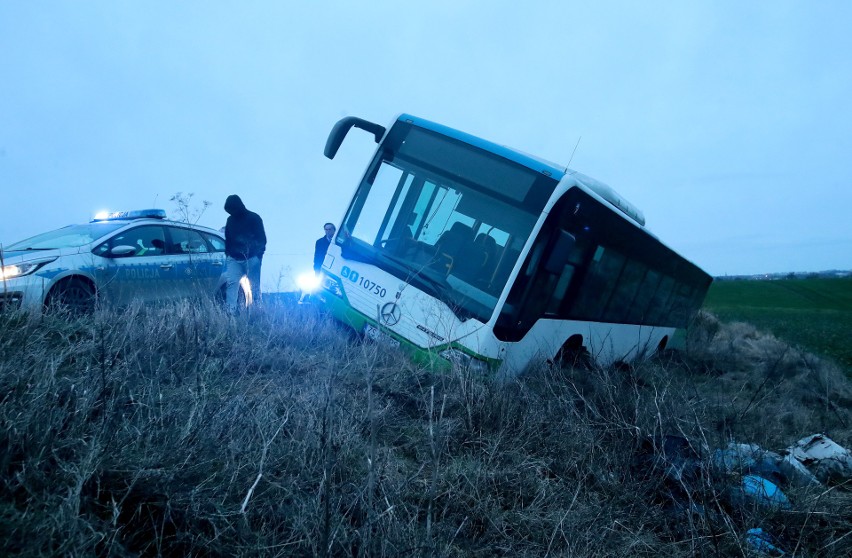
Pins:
x,y
178,430
765,390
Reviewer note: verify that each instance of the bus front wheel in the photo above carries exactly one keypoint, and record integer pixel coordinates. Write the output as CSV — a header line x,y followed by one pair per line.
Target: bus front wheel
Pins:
x,y
574,354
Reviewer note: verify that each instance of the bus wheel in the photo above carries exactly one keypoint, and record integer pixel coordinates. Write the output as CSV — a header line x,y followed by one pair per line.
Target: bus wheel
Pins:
x,y
574,354
76,296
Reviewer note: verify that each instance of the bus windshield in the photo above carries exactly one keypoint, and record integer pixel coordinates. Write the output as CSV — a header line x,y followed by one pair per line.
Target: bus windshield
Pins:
x,y
445,216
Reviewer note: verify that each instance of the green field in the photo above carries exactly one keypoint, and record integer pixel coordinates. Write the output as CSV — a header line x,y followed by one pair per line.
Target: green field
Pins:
x,y
814,313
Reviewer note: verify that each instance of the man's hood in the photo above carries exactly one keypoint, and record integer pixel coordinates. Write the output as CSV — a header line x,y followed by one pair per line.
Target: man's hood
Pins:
x,y
234,205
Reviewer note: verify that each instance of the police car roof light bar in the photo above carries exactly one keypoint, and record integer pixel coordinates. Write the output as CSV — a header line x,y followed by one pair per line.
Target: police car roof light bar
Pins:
x,y
130,215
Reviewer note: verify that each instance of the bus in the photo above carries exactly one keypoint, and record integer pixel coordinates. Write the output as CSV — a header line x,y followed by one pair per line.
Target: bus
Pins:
x,y
472,253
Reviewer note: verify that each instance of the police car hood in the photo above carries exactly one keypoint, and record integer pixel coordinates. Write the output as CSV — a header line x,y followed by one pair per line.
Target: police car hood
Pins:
x,y
15,257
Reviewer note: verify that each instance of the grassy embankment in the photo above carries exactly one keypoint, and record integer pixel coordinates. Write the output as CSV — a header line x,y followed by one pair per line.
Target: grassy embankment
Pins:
x,y
812,313
180,431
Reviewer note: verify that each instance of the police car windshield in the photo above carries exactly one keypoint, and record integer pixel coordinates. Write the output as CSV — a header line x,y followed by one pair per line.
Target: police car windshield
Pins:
x,y
72,236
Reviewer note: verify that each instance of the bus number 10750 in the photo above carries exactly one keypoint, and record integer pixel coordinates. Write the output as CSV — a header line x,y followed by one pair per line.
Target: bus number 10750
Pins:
x,y
368,285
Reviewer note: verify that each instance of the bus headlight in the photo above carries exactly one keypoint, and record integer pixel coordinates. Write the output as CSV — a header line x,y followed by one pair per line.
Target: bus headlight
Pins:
x,y
464,360
19,270
308,282
332,286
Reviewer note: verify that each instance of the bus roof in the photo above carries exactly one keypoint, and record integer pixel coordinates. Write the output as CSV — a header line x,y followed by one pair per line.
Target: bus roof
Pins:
x,y
608,194
534,163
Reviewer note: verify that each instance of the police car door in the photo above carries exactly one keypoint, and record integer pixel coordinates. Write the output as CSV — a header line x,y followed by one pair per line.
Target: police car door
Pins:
x,y
196,272
217,258
135,265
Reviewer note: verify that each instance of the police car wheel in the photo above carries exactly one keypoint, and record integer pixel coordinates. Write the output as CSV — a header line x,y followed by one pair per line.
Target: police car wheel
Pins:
x,y
74,295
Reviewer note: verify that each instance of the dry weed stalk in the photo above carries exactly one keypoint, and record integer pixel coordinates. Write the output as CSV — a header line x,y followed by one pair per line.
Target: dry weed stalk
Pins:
x,y
179,430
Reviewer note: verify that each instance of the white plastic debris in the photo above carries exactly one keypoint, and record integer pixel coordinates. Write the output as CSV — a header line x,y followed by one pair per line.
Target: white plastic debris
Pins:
x,y
828,461
796,472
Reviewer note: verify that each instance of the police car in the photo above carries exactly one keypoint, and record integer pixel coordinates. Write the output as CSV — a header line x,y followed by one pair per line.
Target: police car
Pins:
x,y
115,258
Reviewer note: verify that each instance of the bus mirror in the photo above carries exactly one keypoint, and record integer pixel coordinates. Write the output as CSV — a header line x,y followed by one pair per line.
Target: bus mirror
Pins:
x,y
335,138
558,256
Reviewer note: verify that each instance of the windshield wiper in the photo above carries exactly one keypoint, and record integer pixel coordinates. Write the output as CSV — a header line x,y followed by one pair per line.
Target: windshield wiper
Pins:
x,y
405,265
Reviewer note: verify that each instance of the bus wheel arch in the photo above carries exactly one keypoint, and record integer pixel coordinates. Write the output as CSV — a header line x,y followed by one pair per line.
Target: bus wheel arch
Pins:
x,y
574,353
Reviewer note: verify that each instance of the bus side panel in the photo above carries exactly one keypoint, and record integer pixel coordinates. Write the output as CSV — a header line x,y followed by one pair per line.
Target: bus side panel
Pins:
x,y
482,344
612,343
607,343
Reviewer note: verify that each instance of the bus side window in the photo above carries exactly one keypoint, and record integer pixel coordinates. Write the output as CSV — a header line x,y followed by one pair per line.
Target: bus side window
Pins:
x,y
639,309
680,307
575,261
598,284
625,291
658,309
560,289
527,294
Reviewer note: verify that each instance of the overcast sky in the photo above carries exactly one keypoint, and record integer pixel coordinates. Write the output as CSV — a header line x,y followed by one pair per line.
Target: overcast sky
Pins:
x,y
728,123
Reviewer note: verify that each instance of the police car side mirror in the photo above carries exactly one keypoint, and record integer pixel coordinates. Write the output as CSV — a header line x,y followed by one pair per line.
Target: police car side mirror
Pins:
x,y
122,250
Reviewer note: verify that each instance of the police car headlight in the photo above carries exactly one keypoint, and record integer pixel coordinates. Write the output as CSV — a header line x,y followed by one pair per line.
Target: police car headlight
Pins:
x,y
332,286
464,360
19,270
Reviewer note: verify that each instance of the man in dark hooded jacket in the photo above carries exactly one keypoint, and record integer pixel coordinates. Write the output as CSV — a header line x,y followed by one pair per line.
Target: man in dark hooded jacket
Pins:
x,y
245,243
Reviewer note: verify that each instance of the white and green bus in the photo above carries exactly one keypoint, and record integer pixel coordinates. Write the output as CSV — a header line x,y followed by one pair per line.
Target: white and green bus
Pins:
x,y
460,249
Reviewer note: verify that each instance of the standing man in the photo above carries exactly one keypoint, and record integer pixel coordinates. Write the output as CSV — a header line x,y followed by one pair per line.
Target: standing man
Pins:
x,y
245,243
321,246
